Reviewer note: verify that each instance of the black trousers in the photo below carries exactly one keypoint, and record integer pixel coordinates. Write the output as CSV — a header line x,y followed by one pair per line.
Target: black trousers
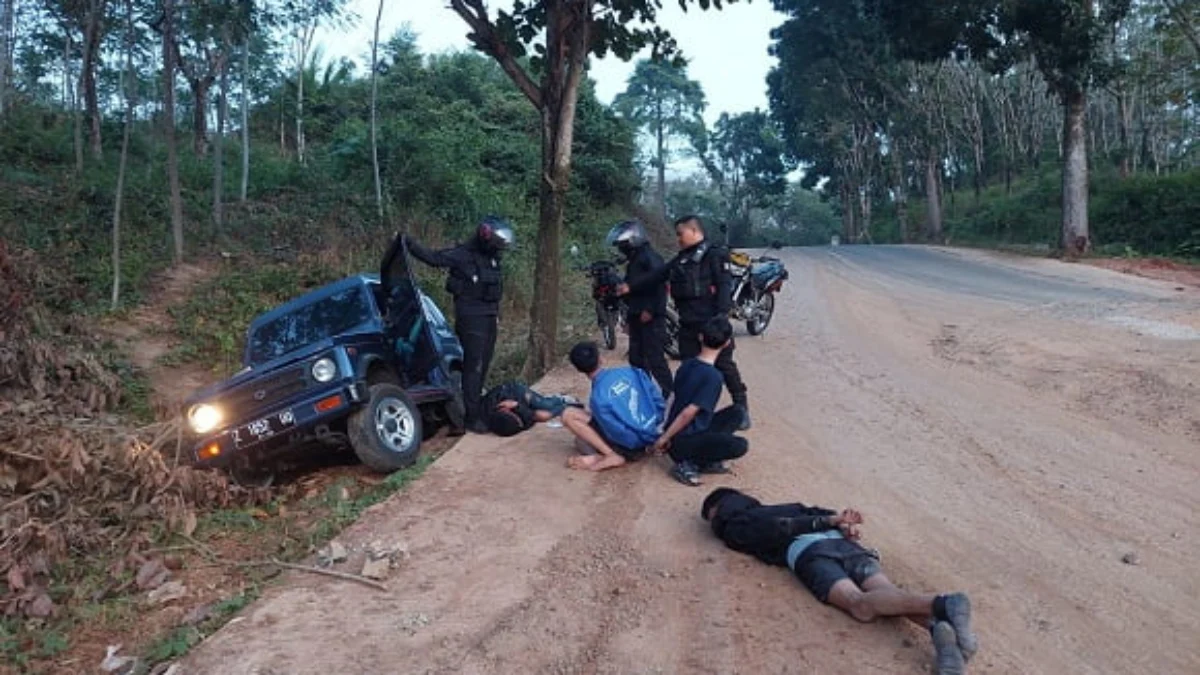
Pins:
x,y
717,444
689,347
477,334
646,350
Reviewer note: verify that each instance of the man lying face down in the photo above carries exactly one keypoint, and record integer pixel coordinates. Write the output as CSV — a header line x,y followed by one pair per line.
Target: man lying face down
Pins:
x,y
512,407
821,547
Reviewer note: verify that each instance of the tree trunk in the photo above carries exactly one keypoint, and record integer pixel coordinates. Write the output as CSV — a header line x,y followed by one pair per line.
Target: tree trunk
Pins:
x,y
1124,121
200,87
304,39
129,85
559,98
93,26
662,162
219,143
245,120
73,90
847,213
375,114
169,127
557,134
1075,240
7,36
933,199
900,193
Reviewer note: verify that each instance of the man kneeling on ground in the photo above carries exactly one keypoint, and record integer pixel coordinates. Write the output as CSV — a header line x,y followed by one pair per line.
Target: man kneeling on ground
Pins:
x,y
512,407
626,411
699,437
821,547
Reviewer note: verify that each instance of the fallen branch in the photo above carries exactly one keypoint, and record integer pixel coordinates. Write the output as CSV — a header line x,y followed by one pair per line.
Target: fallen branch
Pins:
x,y
307,568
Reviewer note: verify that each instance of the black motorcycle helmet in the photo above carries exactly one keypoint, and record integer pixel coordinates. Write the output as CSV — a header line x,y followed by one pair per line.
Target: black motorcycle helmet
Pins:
x,y
496,234
627,236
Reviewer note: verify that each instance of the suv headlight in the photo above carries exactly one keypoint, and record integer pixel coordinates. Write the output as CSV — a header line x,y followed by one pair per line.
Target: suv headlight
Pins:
x,y
204,418
324,370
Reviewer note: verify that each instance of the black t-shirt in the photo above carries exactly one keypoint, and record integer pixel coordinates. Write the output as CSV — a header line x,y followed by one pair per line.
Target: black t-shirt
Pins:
x,y
696,383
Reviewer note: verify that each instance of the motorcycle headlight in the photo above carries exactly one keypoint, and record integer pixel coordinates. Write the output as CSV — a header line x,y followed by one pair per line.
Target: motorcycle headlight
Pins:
x,y
204,418
324,370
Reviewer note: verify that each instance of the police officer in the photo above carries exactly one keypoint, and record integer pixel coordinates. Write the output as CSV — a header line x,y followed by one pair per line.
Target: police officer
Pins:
x,y
647,307
701,287
476,284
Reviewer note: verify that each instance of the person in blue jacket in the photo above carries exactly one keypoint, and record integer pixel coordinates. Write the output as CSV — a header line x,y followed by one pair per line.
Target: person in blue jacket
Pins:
x,y
625,411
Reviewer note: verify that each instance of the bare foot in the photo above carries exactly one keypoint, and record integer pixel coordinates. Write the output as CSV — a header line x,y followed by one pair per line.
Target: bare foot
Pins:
x,y
608,462
583,462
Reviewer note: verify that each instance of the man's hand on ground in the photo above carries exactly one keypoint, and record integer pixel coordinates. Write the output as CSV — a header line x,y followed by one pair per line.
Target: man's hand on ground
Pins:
x,y
850,517
622,289
506,405
850,531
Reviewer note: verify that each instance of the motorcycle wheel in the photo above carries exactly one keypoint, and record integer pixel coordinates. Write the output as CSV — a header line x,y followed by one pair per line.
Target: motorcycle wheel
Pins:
x,y
762,318
608,329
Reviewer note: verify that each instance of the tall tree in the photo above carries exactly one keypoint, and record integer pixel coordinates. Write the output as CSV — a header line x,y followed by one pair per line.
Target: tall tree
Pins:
x,y
167,28
1065,37
746,162
129,89
562,34
375,113
7,39
90,16
661,100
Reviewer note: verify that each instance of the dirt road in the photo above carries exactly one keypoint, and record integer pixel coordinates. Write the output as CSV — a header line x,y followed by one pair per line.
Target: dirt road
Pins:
x,y
1011,428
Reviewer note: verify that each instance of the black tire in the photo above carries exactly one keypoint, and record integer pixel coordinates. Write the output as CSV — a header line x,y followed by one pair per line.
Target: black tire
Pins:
x,y
671,339
758,325
608,329
386,433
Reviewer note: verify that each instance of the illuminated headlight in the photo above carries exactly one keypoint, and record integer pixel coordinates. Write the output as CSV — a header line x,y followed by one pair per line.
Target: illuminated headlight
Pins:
x,y
324,370
204,418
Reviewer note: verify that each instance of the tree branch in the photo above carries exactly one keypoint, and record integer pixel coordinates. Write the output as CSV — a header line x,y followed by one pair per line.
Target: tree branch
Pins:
x,y
1185,23
483,35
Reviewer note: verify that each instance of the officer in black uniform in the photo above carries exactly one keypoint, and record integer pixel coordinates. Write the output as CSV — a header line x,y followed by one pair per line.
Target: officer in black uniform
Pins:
x,y
701,287
476,283
647,307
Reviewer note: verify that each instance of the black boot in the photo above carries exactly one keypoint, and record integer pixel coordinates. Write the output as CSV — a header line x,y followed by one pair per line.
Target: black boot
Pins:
x,y
745,407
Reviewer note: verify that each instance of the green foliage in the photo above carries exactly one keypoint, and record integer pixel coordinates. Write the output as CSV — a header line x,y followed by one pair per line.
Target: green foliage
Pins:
x,y
212,322
1144,214
1150,214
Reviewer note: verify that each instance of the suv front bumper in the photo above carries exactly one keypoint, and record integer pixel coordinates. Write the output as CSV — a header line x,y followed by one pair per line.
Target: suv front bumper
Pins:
x,y
288,424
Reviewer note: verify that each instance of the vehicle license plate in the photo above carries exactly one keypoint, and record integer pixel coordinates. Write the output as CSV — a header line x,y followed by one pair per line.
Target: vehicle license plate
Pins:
x,y
262,429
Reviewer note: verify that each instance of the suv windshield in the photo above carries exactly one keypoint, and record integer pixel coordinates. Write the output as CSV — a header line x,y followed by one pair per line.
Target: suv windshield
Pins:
x,y
311,323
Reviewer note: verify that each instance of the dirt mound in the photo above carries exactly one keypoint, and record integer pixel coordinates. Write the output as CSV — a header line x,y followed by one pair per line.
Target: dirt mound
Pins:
x,y
1152,268
74,480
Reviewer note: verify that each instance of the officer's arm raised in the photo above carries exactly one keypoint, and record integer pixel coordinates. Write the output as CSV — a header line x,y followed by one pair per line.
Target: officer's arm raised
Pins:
x,y
442,258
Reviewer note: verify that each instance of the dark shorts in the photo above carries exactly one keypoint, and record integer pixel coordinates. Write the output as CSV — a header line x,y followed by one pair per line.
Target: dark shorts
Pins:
x,y
627,453
827,562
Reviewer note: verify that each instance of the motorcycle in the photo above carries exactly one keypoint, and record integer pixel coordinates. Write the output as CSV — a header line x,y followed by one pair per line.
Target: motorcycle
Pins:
x,y
755,282
611,310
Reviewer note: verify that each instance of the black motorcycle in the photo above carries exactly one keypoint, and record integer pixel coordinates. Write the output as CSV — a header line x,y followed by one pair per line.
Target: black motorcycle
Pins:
x,y
611,310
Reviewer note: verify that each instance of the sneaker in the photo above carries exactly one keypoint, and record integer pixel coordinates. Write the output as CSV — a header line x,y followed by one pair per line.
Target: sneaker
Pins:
x,y
715,468
948,659
958,613
686,473
572,401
